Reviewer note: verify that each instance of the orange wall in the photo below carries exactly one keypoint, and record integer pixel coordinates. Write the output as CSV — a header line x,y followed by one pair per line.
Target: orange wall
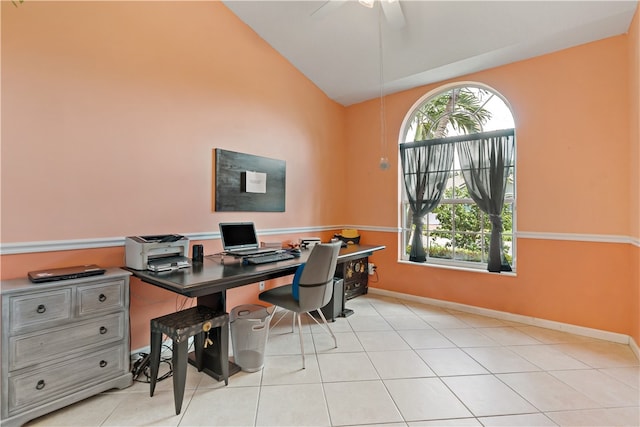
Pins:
x,y
634,112
115,108
571,110
564,136
122,103
111,112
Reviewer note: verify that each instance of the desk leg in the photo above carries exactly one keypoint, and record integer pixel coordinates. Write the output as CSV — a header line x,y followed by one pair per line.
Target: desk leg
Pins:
x,y
212,364
211,361
216,301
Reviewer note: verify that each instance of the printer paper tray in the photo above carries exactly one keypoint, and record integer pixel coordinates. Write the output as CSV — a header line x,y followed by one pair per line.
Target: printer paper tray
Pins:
x,y
168,263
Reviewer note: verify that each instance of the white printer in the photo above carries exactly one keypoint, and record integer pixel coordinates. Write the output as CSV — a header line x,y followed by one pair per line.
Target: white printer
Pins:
x,y
157,253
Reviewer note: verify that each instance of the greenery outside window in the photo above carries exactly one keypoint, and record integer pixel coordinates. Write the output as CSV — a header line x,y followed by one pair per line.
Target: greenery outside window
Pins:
x,y
456,232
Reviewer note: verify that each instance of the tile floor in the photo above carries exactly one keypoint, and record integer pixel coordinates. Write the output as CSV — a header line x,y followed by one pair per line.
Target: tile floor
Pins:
x,y
398,363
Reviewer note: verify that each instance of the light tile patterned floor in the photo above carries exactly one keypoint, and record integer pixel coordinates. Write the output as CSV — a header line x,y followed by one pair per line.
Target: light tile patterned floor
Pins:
x,y
398,363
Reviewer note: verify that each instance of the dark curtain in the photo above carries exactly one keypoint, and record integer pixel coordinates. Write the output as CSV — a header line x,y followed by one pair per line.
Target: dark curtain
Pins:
x,y
486,163
426,169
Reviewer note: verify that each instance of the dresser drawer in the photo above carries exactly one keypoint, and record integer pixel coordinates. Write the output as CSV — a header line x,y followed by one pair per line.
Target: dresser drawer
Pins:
x,y
55,381
39,309
42,346
100,297
62,341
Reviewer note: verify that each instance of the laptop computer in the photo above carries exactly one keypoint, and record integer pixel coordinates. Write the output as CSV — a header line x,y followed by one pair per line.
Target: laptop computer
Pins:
x,y
240,239
65,273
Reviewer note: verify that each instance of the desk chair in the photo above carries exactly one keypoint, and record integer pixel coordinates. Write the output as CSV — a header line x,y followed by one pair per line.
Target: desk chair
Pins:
x,y
311,289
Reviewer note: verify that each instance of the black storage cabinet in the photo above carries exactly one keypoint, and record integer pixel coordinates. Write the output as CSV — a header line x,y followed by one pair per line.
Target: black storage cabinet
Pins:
x,y
355,274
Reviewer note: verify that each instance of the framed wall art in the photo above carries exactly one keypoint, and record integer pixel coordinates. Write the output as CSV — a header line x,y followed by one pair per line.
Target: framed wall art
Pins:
x,y
244,182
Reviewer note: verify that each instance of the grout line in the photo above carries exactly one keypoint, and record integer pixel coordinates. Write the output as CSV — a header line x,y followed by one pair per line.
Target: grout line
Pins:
x,y
512,317
441,378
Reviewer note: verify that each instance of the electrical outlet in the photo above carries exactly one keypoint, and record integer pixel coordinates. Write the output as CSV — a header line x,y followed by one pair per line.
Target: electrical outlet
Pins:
x,y
372,268
262,286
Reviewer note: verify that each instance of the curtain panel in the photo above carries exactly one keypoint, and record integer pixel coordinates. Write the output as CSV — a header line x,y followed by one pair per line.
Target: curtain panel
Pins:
x,y
425,169
486,164
486,159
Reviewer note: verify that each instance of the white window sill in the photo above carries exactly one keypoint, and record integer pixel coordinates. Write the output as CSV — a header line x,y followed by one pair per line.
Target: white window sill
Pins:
x,y
482,270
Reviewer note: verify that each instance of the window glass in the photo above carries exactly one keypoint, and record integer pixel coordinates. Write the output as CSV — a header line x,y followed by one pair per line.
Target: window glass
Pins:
x,y
457,232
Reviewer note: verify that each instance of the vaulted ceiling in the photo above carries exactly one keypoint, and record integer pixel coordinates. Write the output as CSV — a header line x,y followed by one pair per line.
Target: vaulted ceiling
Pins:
x,y
337,44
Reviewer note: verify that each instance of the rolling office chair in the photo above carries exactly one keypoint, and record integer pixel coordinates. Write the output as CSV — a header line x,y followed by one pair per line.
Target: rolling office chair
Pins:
x,y
311,289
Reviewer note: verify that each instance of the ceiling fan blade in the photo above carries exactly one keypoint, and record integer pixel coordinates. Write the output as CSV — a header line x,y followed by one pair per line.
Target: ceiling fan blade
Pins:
x,y
393,13
328,7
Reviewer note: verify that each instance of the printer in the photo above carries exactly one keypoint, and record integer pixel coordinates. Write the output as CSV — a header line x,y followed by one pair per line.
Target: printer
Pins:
x,y
157,253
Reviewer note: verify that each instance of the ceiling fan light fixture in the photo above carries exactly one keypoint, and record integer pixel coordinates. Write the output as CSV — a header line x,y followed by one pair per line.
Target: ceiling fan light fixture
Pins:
x,y
367,3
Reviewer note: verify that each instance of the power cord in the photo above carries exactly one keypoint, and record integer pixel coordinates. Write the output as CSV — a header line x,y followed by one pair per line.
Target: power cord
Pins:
x,y
142,367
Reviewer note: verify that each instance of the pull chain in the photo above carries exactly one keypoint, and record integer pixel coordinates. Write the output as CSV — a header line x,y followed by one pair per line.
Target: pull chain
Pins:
x,y
384,161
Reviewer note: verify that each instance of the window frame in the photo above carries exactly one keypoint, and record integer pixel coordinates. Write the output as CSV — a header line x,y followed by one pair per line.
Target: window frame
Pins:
x,y
405,222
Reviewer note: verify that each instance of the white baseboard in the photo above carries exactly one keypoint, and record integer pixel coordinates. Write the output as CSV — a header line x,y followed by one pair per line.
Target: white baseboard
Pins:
x,y
634,347
527,320
548,324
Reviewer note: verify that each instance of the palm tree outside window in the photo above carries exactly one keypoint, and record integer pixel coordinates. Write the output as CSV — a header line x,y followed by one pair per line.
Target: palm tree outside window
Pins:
x,y
455,231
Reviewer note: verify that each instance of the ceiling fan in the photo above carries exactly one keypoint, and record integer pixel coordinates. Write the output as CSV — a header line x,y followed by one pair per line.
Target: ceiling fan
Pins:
x,y
391,8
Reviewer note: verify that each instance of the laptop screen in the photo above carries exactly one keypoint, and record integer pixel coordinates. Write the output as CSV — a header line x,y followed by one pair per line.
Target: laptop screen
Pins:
x,y
238,235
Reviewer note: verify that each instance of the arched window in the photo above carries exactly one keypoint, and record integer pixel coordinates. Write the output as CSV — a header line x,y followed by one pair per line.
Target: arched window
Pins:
x,y
458,177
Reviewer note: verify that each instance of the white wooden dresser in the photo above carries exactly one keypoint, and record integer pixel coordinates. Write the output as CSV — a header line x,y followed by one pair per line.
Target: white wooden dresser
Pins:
x,y
62,342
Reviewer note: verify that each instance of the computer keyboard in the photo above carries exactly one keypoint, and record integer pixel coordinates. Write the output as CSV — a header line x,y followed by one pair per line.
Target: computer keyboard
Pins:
x,y
264,259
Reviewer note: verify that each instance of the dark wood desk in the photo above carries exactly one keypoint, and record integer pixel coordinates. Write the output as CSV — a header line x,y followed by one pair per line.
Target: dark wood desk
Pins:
x,y
209,281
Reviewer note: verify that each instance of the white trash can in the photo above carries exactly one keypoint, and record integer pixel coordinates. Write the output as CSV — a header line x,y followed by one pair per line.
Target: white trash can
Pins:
x,y
249,333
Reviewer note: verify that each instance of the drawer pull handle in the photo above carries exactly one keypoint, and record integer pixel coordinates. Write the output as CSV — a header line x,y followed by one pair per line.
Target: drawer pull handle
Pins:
x,y
41,309
103,363
103,330
40,385
102,298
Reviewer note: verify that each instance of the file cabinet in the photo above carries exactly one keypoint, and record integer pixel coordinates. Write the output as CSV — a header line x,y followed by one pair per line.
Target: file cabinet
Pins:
x,y
62,342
